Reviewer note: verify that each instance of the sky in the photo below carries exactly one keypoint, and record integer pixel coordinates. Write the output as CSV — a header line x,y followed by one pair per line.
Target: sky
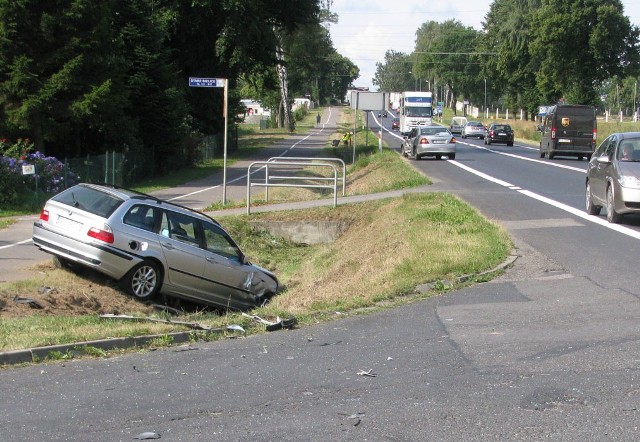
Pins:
x,y
367,29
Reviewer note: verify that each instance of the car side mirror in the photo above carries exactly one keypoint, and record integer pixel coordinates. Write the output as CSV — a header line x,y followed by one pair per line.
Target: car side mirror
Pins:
x,y
604,159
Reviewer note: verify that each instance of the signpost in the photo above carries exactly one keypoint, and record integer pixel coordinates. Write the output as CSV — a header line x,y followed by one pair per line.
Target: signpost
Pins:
x,y
217,82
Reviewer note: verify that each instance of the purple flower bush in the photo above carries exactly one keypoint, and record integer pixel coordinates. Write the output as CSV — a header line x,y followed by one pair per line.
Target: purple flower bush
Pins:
x,y
50,172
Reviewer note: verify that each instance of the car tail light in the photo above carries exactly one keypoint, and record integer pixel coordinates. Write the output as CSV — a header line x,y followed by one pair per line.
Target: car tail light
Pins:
x,y
491,133
105,234
553,133
44,215
453,140
595,135
424,141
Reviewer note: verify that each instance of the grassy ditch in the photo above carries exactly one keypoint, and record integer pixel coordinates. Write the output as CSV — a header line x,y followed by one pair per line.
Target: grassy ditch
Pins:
x,y
390,247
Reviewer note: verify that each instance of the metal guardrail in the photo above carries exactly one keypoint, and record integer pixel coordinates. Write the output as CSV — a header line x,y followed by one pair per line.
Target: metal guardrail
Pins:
x,y
269,178
308,159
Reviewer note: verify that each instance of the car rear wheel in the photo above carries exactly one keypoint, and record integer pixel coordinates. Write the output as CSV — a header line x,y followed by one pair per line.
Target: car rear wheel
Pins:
x,y
438,157
143,281
452,156
510,143
488,141
550,155
592,209
612,216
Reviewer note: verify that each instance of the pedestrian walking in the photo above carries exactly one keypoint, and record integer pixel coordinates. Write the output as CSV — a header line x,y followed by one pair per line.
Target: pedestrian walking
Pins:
x,y
318,119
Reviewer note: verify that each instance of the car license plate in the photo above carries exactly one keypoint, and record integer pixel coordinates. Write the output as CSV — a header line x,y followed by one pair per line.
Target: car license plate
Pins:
x,y
438,141
502,134
564,140
68,224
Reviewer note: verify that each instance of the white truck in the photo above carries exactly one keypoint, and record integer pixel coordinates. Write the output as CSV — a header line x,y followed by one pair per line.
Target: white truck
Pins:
x,y
416,109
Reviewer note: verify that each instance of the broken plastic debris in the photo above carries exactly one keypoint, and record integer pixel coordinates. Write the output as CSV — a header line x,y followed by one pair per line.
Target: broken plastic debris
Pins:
x,y
367,373
235,327
147,435
30,302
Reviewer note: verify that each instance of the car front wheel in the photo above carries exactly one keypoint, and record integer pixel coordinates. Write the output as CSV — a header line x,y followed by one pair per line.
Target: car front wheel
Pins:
x,y
612,216
143,281
592,209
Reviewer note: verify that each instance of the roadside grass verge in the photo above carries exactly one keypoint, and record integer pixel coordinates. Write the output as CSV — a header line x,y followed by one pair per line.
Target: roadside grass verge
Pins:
x,y
390,247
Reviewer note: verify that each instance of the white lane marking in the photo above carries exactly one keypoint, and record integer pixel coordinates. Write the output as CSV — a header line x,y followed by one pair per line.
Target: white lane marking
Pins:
x,y
572,210
244,177
15,244
520,157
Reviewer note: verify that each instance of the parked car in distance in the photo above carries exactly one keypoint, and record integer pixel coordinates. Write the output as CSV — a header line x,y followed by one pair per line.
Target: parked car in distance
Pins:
x,y
613,177
151,246
568,130
457,124
395,123
473,129
499,133
429,141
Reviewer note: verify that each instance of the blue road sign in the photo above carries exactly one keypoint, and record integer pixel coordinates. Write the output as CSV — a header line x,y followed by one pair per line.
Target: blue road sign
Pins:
x,y
206,82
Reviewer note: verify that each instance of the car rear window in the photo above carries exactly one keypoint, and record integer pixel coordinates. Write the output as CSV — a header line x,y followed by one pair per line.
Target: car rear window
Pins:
x,y
90,200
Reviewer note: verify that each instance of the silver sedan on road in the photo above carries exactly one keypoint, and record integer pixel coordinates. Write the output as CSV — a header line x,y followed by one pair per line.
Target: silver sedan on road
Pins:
x,y
429,141
613,177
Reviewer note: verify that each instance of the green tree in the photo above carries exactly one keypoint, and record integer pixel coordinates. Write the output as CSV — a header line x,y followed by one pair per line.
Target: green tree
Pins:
x,y
507,64
446,53
394,75
578,44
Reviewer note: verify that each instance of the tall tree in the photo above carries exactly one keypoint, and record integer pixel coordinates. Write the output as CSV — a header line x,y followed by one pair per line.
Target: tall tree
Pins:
x,y
579,44
447,52
507,63
394,75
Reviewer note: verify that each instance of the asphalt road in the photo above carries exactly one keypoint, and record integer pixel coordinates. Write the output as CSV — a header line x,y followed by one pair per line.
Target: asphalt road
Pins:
x,y
547,351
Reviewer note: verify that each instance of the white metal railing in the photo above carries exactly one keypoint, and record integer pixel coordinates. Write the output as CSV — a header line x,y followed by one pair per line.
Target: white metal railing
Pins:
x,y
309,159
287,164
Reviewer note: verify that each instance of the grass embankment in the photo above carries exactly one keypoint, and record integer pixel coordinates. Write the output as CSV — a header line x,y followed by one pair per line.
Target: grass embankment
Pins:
x,y
390,247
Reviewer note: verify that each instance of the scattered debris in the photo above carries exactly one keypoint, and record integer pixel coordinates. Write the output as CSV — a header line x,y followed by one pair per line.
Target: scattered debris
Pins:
x,y
367,373
45,290
278,324
330,343
193,325
147,435
185,348
357,417
29,301
166,308
235,327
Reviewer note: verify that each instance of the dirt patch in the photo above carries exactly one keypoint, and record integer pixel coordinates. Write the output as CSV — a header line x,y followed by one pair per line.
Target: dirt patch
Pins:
x,y
60,292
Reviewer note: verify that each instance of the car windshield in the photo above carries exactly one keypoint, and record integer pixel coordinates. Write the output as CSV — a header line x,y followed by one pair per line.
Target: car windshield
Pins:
x,y
502,127
475,124
418,112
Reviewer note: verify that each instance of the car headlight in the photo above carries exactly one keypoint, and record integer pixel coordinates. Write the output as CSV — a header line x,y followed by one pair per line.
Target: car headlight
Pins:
x,y
629,181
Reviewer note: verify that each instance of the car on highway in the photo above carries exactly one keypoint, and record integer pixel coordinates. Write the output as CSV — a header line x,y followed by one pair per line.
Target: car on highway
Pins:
x,y
395,123
429,141
613,177
457,124
151,246
499,133
473,129
568,130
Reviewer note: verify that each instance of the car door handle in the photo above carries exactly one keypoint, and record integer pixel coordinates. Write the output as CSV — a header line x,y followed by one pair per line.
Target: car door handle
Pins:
x,y
211,259
168,245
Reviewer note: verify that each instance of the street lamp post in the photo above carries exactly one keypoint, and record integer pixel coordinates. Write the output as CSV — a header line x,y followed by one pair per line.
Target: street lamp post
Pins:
x,y
485,95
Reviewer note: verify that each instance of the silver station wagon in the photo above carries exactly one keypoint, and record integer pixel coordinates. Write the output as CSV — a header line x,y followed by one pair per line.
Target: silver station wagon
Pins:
x,y
151,246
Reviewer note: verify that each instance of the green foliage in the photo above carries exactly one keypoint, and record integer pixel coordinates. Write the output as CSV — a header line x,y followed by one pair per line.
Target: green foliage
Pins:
x,y
394,75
